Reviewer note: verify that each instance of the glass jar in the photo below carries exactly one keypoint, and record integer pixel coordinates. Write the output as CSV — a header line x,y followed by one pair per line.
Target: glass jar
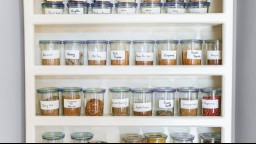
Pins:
x,y
120,52
94,102
167,52
74,52
81,137
53,137
49,101
50,52
102,8
54,1
182,138
51,8
97,52
175,1
213,52
155,137
211,102
144,52
120,101
210,138
142,102
175,7
188,101
78,8
164,101
126,7
191,52
78,1
71,101
151,8
198,0
133,138
198,7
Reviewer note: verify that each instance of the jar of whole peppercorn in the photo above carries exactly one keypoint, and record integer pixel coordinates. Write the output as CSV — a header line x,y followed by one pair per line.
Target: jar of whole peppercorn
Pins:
x,y
211,102
210,138
213,52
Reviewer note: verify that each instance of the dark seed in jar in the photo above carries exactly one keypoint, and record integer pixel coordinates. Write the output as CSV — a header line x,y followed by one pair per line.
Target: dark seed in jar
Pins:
x,y
164,113
94,107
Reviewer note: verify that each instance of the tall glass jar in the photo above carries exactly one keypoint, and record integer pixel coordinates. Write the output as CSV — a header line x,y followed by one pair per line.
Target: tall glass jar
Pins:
x,y
53,137
49,101
164,101
175,7
167,52
182,138
120,52
213,52
97,52
126,7
211,102
198,7
74,52
188,101
120,101
144,52
133,138
78,8
81,137
71,101
210,138
50,52
102,8
151,8
155,137
94,102
51,8
191,52
142,102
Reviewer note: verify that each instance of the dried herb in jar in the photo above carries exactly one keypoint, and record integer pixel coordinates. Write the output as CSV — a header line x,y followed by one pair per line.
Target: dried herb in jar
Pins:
x,y
71,105
164,113
94,107
76,61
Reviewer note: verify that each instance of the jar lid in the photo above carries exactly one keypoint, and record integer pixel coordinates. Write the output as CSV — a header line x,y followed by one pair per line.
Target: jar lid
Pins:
x,y
212,41
120,89
189,89
165,89
175,4
133,138
143,41
182,137
53,136
191,41
73,41
142,90
144,4
94,90
48,90
53,5
126,4
82,136
119,41
50,42
212,90
71,89
102,4
198,4
167,41
211,136
155,136
96,41
79,4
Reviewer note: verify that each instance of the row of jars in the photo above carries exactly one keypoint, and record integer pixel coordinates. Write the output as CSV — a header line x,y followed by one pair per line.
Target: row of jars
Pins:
x,y
193,52
142,101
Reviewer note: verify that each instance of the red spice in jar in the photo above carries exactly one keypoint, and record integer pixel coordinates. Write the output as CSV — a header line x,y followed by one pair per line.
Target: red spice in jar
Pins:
x,y
212,106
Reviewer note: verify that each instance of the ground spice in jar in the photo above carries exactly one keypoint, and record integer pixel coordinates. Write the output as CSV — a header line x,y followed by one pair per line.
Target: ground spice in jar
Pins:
x,y
51,62
121,111
212,105
94,107
164,113
71,105
168,62
147,113
214,62
188,112
45,111
95,62
121,62
187,61
144,62
188,107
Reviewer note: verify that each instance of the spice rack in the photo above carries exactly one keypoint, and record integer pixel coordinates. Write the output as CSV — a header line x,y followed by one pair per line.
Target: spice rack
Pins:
x,y
218,24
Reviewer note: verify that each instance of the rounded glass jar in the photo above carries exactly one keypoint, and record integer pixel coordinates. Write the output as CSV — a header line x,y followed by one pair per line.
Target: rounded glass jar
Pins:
x,y
74,52
78,1
142,102
167,52
155,137
144,52
50,52
133,138
151,8
175,7
213,52
102,8
78,8
97,52
126,7
175,1
120,52
53,137
81,137
198,7
51,8
211,102
49,101
191,52
188,101
94,102
182,138
210,138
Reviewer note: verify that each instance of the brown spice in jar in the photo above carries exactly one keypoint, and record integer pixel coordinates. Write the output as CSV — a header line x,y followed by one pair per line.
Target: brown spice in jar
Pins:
x,y
214,62
147,113
71,111
144,62
121,111
168,62
51,62
54,112
187,61
188,112
97,62
94,107
76,61
121,62
164,113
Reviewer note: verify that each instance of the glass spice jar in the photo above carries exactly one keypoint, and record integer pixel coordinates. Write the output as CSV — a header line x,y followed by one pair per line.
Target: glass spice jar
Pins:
x,y
120,101
126,7
49,101
97,52
74,52
120,52
54,1
102,8
210,138
164,101
133,138
151,8
71,101
188,101
167,52
191,52
51,8
182,138
50,52
213,52
94,102
175,1
78,8
175,7
198,0
81,137
142,102
155,137
198,7
144,52
53,137
211,102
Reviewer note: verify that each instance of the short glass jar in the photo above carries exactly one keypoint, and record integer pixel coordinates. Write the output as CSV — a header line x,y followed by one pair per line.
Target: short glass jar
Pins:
x,y
198,7
51,8
126,7
97,52
120,52
81,137
155,137
78,1
144,52
210,138
53,137
71,101
164,101
188,101
151,8
74,52
49,101
175,1
198,0
182,138
78,8
142,101
213,52
167,52
102,8
50,52
175,8
94,102
191,52
120,101
133,138
211,102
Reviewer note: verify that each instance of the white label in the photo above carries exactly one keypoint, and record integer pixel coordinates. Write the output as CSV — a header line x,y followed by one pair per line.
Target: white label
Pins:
x,y
186,104
169,55
49,105
144,56
72,54
97,56
197,10
77,11
126,10
72,103
214,55
117,55
194,54
51,54
101,11
50,11
151,10
210,104
166,104
142,107
176,10
120,103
